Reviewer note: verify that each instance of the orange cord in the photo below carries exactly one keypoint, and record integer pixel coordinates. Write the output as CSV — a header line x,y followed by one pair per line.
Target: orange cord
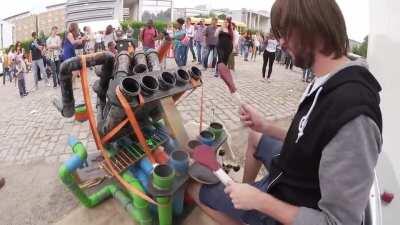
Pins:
x,y
114,131
135,124
96,135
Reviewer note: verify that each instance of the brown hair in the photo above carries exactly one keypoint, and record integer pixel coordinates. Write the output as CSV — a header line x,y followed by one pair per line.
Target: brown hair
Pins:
x,y
311,22
109,29
74,29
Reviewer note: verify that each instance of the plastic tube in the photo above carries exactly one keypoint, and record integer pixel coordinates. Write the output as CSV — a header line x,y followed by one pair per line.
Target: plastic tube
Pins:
x,y
164,210
195,72
67,106
182,77
139,62
153,61
138,209
167,80
149,85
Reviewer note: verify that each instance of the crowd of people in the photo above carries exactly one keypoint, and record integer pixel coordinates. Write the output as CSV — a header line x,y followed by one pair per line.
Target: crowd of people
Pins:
x,y
208,45
45,55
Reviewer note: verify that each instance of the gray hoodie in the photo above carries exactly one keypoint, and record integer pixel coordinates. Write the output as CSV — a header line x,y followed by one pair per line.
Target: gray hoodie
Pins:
x,y
346,172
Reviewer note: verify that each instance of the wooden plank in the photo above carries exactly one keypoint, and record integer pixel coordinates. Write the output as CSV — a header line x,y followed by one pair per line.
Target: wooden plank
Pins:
x,y
173,121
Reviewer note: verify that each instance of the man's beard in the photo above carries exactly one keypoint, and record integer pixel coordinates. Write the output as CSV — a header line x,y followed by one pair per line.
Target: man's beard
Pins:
x,y
303,59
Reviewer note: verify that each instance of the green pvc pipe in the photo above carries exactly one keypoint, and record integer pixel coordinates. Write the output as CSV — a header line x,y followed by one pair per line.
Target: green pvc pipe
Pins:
x,y
164,210
138,209
141,206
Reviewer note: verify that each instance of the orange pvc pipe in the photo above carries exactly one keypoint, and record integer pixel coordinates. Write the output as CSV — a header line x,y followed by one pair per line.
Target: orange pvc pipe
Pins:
x,y
96,135
114,131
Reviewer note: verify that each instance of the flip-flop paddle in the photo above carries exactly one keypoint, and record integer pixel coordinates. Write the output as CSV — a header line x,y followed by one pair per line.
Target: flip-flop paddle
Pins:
x,y
205,155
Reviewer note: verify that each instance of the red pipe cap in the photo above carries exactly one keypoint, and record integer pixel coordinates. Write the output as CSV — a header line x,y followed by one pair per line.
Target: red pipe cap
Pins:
x,y
387,197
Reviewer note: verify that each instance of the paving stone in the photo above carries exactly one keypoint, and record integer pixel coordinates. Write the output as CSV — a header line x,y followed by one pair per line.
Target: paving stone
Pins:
x,y
32,129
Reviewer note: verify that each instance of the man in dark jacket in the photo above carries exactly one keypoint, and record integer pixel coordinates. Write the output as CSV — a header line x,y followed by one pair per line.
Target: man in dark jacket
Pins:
x,y
322,168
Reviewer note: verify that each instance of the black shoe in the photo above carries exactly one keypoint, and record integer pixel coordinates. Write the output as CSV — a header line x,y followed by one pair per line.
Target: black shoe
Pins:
x,y
2,182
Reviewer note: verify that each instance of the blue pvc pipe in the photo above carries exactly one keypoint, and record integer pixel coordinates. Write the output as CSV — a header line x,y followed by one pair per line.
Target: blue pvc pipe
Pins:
x,y
73,163
142,177
178,201
146,166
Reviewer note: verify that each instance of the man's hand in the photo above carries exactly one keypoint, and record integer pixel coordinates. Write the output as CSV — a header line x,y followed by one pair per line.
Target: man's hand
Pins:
x,y
243,196
252,118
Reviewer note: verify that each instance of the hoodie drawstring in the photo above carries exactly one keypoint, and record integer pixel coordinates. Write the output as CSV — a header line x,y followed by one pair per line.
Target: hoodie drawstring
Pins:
x,y
304,119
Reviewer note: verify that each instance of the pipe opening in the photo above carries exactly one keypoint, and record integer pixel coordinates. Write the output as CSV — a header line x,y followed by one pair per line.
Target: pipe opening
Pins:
x,y
140,68
168,78
183,75
149,85
163,171
195,72
179,155
206,134
215,125
130,86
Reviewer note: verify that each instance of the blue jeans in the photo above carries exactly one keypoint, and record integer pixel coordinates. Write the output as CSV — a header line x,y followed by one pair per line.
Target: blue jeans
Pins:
x,y
207,54
246,52
55,70
214,196
7,72
199,48
181,55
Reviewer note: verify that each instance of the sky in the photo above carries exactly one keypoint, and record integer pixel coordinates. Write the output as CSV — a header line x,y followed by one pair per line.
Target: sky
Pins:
x,y
356,12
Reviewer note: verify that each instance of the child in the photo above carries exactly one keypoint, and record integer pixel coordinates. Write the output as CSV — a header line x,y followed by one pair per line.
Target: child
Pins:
x,y
20,68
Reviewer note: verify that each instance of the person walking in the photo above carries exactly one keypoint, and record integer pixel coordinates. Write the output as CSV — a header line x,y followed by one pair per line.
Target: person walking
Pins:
x,y
199,40
225,42
181,42
6,66
211,42
270,44
255,48
53,46
99,45
247,45
288,61
108,36
20,71
148,36
91,40
235,52
36,52
189,29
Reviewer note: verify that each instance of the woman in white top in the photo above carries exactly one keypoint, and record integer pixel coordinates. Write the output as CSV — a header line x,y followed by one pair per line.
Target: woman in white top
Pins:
x,y
53,46
270,44
256,47
189,28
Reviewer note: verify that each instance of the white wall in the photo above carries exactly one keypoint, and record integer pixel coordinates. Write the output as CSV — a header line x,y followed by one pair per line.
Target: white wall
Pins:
x,y
383,57
6,34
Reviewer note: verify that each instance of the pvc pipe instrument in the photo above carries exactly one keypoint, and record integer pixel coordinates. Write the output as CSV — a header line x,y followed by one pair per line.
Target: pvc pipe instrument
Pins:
x,y
205,155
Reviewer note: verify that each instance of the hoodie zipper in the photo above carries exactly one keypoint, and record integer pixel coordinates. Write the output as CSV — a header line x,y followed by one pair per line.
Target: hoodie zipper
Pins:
x,y
274,180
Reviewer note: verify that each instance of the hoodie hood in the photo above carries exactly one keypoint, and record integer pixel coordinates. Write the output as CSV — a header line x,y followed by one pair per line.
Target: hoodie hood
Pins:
x,y
359,74
352,72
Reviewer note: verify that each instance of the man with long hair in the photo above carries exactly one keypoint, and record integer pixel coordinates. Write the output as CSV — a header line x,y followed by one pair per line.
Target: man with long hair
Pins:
x,y
322,168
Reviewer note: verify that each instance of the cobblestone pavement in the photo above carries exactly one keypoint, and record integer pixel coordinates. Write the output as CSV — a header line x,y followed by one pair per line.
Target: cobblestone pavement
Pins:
x,y
31,128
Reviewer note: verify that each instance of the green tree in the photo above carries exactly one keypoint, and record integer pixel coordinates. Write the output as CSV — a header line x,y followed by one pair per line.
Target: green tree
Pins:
x,y
221,16
362,49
